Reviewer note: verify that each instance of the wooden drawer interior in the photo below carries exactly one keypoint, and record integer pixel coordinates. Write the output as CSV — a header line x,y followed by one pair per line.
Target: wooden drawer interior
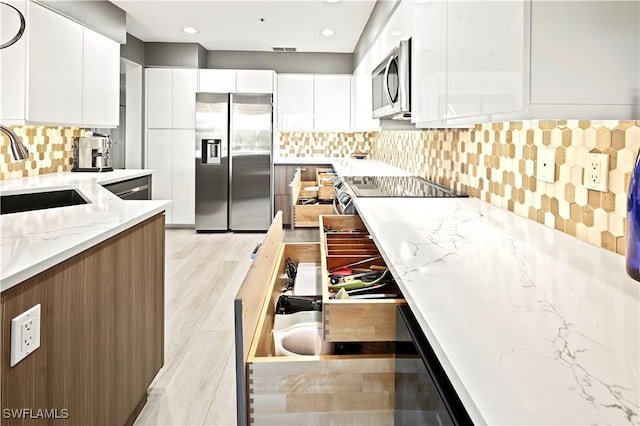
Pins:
x,y
314,390
305,209
345,240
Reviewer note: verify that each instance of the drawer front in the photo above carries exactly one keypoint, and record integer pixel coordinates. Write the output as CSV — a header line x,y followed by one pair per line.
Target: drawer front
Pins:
x,y
309,215
345,240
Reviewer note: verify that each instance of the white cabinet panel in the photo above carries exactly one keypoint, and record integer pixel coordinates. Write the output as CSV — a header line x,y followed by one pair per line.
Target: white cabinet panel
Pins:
x,y
12,64
159,83
429,62
332,102
254,81
364,120
217,81
100,80
585,52
485,69
184,177
295,102
160,159
399,27
185,84
54,63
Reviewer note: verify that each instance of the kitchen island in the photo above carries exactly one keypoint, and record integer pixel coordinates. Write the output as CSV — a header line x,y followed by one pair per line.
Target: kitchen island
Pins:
x,y
97,271
531,325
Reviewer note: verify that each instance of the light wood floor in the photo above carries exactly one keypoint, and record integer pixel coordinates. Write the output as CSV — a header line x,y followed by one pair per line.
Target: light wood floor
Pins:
x,y
196,386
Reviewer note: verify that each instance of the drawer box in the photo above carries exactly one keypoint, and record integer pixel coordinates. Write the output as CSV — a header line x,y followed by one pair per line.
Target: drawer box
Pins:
x,y
311,390
306,215
324,180
345,240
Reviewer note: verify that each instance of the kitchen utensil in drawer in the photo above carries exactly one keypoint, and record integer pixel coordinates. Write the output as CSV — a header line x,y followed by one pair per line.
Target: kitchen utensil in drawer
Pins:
x,y
289,304
357,284
360,262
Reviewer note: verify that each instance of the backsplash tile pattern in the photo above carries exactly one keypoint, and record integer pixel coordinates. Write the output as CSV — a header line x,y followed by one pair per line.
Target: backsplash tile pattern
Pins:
x,y
496,162
322,144
50,151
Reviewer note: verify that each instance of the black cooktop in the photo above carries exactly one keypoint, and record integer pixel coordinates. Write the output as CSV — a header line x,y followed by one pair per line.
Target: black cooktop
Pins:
x,y
397,186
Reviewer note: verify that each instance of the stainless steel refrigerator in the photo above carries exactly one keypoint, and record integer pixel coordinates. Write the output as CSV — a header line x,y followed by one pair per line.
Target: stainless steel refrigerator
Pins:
x,y
234,162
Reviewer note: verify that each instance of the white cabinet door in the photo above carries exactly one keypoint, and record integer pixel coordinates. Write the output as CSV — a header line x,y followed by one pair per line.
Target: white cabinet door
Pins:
x,y
429,62
295,102
184,177
185,84
12,63
364,120
54,61
399,27
254,81
100,80
332,102
217,81
160,159
485,69
159,91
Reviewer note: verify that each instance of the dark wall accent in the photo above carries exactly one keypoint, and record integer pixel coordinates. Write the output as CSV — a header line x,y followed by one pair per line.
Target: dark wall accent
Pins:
x,y
176,55
133,50
282,62
99,15
380,14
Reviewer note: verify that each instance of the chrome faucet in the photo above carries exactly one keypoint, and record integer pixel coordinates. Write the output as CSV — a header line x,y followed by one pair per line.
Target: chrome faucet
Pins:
x,y
18,150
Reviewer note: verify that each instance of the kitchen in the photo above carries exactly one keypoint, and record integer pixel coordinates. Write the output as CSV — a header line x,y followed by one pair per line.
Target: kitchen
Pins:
x,y
527,272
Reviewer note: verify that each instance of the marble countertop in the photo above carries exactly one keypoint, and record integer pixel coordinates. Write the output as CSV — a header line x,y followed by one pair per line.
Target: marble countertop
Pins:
x,y
532,326
303,160
350,166
31,242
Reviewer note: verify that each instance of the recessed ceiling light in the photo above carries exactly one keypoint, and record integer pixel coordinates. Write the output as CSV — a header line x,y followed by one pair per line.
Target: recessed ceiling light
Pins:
x,y
328,32
396,33
189,30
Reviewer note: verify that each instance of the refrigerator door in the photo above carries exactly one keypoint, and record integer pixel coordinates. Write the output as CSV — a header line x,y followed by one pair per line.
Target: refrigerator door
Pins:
x,y
212,161
251,162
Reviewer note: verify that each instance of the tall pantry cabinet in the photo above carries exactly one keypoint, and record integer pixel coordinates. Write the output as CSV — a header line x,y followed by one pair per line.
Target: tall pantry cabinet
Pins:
x,y
170,139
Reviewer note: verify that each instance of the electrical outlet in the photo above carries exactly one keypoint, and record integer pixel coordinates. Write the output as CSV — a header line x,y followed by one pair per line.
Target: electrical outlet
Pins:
x,y
596,172
546,170
25,334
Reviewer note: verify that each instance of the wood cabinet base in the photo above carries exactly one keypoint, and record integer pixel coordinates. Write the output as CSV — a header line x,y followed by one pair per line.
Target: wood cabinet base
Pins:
x,y
102,333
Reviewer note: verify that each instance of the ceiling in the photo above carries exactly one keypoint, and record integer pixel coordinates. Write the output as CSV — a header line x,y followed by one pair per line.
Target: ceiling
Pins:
x,y
256,25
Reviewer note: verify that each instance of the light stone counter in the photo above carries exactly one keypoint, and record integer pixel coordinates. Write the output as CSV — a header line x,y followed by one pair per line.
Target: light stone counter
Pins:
x,y
349,166
532,326
31,242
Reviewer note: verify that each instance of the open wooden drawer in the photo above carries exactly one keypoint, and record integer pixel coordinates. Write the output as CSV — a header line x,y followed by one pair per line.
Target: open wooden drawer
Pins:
x,y
345,240
306,215
310,390
324,180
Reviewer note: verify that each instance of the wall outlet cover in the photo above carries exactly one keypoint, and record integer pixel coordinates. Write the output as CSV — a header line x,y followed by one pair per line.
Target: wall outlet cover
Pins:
x,y
25,334
546,170
596,172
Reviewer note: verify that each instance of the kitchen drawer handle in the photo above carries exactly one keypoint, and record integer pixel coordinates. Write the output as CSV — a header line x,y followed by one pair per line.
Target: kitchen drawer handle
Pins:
x,y
132,190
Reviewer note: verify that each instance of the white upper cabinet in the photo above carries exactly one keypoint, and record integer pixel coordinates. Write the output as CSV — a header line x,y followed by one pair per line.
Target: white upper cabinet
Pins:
x,y
586,53
429,62
295,102
485,57
363,99
332,102
100,80
185,84
171,98
54,61
59,72
399,27
12,63
254,81
217,81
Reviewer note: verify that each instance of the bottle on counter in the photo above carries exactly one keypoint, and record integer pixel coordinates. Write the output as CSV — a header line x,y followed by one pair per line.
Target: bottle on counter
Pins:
x,y
633,223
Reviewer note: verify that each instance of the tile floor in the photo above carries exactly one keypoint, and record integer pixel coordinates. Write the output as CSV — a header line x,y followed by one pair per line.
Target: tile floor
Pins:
x,y
196,386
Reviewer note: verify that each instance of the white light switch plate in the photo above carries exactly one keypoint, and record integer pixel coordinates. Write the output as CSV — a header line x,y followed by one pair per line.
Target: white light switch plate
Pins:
x,y
546,170
25,334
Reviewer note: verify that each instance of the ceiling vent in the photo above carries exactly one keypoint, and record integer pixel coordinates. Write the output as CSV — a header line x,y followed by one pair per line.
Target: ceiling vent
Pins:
x,y
284,49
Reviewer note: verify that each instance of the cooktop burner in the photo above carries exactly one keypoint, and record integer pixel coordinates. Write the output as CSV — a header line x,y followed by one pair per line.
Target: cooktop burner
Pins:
x,y
397,186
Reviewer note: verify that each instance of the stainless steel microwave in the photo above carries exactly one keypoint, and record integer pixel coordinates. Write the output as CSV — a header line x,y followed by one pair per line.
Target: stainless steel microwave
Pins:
x,y
391,84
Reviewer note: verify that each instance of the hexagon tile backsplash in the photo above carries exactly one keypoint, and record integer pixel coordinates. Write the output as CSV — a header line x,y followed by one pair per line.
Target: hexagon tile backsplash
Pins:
x,y
496,162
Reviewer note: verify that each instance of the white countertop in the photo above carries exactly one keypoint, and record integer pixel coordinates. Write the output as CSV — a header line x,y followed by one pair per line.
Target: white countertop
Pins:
x,y
354,167
34,241
532,326
303,160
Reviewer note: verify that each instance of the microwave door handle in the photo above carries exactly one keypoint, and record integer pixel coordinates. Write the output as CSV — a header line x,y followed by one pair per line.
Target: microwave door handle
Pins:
x,y
386,81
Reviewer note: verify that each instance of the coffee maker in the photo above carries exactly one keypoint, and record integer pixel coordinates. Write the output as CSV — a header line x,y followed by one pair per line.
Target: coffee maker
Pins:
x,y
91,153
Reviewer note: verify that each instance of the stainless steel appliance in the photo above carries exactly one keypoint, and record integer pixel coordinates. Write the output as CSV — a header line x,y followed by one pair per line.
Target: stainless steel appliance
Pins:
x,y
349,187
234,162
92,154
424,395
391,84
